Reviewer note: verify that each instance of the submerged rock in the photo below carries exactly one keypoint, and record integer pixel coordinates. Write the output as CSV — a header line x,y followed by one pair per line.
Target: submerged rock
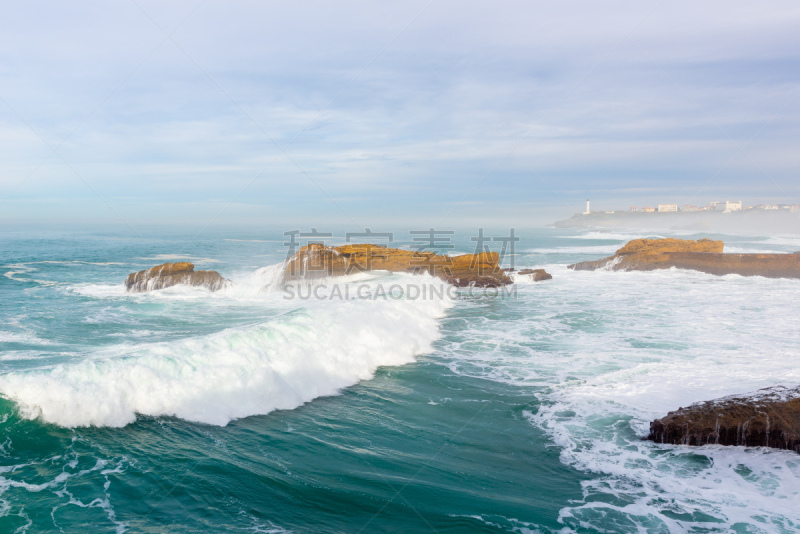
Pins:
x,y
703,255
537,274
317,260
769,417
171,274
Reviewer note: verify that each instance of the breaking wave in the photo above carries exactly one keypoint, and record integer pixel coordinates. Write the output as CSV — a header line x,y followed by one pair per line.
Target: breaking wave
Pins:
x,y
311,350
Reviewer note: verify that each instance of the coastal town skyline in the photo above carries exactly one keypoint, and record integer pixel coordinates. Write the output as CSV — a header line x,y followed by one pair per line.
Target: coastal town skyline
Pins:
x,y
726,206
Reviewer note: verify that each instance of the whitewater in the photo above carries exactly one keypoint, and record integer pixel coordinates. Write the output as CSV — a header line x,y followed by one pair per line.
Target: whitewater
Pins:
x,y
258,412
297,355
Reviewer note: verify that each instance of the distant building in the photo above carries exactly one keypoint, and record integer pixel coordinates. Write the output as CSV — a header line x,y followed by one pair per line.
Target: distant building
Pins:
x,y
588,211
634,208
771,207
667,207
687,207
648,210
795,208
728,206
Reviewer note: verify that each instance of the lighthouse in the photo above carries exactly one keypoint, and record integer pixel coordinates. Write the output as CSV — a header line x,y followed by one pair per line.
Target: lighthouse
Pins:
x,y
588,211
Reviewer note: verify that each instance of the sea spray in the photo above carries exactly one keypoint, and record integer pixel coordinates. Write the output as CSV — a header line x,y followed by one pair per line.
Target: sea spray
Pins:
x,y
313,350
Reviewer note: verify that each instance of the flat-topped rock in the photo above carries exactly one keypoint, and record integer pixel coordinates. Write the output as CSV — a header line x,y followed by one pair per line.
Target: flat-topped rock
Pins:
x,y
703,255
648,254
769,417
654,247
317,260
171,274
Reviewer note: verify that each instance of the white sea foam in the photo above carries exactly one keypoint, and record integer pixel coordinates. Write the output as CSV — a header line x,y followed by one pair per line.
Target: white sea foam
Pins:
x,y
19,355
74,262
593,249
179,257
616,350
99,291
256,240
17,268
316,349
259,286
22,337
26,269
752,250
12,482
614,236
784,240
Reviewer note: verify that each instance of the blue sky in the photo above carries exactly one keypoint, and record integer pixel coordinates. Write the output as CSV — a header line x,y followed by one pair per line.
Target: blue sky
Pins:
x,y
433,111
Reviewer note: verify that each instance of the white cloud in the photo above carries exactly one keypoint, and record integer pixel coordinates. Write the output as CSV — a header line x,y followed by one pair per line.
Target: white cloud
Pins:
x,y
372,103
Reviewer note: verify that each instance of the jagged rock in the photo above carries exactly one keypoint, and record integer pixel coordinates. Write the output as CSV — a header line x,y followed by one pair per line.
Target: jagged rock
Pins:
x,y
537,274
769,417
170,274
317,260
703,255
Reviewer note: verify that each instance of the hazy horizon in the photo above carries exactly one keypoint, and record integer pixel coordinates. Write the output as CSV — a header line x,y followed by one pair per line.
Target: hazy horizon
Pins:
x,y
441,113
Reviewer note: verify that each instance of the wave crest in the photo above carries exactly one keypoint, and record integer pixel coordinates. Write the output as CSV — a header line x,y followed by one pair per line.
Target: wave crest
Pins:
x,y
279,364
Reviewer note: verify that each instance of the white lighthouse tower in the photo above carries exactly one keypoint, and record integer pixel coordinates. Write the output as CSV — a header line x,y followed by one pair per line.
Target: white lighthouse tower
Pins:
x,y
588,211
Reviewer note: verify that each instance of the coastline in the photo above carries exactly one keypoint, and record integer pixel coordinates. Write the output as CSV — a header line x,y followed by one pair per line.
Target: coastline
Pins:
x,y
744,222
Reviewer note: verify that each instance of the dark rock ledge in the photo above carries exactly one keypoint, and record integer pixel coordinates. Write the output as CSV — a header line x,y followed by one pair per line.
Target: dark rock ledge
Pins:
x,y
769,417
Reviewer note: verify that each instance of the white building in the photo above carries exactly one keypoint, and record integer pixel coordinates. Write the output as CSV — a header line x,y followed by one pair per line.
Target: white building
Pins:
x,y
588,211
667,207
728,206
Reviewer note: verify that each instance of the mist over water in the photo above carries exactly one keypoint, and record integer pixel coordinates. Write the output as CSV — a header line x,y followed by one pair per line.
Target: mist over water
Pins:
x,y
243,410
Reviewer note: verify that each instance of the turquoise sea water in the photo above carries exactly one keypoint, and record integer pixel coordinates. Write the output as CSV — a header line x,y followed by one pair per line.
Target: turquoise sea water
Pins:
x,y
245,411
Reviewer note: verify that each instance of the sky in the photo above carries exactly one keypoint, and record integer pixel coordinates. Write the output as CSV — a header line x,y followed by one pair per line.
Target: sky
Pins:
x,y
440,112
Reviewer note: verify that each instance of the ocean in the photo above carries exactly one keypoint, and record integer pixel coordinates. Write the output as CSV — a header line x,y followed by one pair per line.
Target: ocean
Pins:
x,y
386,410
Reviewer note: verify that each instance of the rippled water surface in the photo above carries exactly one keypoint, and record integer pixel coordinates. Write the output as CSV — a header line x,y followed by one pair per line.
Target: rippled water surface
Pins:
x,y
245,411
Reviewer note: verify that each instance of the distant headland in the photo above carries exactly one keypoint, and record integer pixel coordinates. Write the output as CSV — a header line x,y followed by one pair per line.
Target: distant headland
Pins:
x,y
730,216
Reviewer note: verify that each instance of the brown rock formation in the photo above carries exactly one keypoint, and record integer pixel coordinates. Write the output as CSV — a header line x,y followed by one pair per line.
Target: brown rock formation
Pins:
x,y
769,417
649,254
317,260
703,255
170,274
537,274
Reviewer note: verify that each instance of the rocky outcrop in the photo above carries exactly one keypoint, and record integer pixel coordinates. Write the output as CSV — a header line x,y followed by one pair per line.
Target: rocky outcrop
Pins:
x,y
703,255
171,274
537,274
767,418
767,265
317,261
648,254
